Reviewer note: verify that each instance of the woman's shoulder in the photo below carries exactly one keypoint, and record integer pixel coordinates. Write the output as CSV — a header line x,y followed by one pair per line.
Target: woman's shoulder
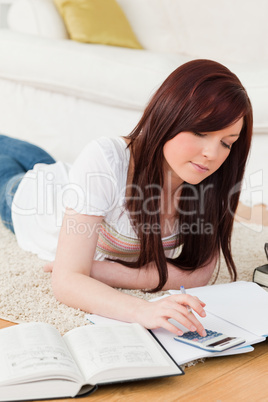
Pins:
x,y
106,149
103,157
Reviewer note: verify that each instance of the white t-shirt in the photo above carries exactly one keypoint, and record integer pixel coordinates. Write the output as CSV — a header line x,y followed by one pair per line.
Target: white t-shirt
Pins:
x,y
94,185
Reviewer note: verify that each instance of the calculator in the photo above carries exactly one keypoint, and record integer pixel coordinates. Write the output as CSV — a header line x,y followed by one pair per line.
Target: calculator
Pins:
x,y
213,342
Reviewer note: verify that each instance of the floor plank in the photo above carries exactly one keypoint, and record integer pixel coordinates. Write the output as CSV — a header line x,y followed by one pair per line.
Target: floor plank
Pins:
x,y
247,382
256,215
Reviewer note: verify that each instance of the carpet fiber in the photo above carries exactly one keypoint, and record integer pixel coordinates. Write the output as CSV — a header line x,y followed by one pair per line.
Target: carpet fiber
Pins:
x,y
25,290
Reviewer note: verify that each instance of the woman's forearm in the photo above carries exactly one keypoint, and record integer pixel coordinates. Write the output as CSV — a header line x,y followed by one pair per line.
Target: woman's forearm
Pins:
x,y
83,292
118,275
121,276
79,291
189,279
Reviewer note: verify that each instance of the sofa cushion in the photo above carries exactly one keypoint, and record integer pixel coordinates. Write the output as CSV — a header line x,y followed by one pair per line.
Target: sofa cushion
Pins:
x,y
109,75
234,31
36,17
105,74
229,31
150,21
97,21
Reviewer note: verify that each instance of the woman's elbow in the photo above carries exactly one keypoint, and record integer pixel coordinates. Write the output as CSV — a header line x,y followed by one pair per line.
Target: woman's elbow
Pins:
x,y
208,271
59,287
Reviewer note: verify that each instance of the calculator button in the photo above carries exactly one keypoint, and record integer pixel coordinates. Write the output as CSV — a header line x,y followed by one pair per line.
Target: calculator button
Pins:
x,y
194,336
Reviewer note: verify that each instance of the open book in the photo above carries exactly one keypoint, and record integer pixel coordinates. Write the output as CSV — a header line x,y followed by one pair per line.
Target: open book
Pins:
x,y
37,362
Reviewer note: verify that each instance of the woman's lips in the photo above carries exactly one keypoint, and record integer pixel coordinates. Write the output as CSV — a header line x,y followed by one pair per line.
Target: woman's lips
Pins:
x,y
200,168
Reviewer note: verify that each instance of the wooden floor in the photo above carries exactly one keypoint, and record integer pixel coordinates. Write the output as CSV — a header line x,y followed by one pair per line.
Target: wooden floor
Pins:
x,y
232,378
257,215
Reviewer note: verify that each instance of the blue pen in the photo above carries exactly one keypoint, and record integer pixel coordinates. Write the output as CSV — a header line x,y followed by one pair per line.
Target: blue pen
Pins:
x,y
183,291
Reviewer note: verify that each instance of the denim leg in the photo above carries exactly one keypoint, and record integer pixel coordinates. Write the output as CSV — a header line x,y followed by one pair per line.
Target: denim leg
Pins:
x,y
11,174
16,158
26,154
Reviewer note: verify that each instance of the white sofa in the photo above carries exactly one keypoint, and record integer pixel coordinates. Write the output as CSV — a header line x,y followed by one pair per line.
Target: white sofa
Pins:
x,y
59,93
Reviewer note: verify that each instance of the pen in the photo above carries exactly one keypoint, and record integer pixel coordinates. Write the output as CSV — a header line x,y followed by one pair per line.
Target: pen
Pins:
x,y
183,291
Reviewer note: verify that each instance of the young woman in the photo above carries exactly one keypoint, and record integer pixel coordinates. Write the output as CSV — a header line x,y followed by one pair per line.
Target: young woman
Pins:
x,y
149,211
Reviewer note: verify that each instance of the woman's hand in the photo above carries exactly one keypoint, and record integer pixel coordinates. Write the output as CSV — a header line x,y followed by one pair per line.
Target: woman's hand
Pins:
x,y
156,314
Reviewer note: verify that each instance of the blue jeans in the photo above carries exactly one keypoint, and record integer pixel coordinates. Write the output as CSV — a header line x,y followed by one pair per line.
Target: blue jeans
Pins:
x,y
16,158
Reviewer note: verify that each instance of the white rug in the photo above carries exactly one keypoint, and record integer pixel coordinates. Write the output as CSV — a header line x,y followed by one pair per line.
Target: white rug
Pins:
x,y
25,290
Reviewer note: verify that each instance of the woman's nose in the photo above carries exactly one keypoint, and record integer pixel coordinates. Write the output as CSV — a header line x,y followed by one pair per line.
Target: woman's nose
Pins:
x,y
211,150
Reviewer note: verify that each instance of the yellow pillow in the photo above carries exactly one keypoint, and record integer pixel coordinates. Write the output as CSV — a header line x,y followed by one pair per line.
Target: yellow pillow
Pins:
x,y
97,21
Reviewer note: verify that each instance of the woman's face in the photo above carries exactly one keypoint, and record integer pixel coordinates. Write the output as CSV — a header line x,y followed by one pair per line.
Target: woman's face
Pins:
x,y
191,157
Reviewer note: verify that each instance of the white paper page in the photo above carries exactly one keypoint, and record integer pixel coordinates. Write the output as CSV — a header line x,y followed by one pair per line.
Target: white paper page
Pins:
x,y
101,347
34,350
244,304
183,353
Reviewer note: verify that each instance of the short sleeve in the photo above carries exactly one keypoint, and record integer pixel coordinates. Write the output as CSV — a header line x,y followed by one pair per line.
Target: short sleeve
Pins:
x,y
92,184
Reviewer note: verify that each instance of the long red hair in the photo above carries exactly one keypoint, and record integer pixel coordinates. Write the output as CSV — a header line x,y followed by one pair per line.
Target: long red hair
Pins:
x,y
202,96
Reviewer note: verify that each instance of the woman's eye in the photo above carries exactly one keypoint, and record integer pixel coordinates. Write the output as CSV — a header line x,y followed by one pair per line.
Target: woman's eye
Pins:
x,y
199,134
222,142
226,145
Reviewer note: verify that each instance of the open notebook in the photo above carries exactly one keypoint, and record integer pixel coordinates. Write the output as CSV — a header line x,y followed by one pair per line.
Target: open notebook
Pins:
x,y
244,304
236,309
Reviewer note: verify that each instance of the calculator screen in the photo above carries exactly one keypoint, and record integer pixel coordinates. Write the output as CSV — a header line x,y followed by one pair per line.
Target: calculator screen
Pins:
x,y
221,341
